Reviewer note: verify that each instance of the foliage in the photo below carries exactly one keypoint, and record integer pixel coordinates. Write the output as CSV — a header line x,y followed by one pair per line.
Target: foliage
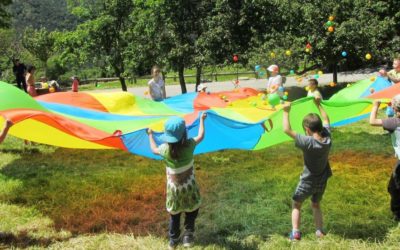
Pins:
x,y
39,43
125,38
48,14
104,34
4,15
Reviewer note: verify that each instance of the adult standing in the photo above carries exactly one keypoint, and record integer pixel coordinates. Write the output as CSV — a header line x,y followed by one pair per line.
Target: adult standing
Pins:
x,y
19,70
30,81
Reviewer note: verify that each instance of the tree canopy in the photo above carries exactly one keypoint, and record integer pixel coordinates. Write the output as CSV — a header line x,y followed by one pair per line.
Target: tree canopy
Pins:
x,y
126,37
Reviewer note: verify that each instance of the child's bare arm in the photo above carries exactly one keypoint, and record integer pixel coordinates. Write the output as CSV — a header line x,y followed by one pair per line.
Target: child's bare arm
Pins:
x,y
153,144
200,135
4,131
393,78
286,121
325,117
374,112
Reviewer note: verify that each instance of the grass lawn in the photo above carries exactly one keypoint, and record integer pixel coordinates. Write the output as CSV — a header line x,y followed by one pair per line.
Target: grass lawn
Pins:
x,y
86,199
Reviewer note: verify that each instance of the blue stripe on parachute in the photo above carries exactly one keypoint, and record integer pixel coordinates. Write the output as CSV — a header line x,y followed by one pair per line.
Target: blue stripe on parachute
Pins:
x,y
379,84
182,103
220,133
90,114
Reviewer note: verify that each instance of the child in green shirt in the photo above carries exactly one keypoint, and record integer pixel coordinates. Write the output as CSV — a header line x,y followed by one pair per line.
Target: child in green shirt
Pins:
x,y
183,194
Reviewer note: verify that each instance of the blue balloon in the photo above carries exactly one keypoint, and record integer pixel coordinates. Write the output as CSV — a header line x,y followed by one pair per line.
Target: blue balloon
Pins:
x,y
281,89
389,111
257,67
344,53
261,73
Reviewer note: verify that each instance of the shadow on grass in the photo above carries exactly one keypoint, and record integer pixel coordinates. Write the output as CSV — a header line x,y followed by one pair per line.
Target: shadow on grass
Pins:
x,y
23,240
91,191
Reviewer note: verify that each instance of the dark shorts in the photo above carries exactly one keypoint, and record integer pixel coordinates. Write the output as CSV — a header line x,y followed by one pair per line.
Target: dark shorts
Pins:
x,y
307,189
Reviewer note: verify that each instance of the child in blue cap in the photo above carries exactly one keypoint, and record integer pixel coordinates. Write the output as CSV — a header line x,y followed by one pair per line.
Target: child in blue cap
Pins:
x,y
182,191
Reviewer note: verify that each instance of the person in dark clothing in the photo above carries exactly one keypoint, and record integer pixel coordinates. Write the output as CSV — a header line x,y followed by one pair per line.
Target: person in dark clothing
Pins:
x,y
19,70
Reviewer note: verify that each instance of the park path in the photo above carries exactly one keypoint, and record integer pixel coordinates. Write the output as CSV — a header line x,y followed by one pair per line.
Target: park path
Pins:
x,y
324,79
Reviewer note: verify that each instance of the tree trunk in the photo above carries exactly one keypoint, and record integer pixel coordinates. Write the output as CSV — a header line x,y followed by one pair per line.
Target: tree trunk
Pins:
x,y
335,73
123,84
181,70
118,71
198,76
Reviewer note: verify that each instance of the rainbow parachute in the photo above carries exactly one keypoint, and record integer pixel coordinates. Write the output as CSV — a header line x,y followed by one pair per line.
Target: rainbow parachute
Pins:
x,y
236,119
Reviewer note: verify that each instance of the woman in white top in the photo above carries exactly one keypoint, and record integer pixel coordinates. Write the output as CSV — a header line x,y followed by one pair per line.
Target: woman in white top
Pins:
x,y
157,85
275,80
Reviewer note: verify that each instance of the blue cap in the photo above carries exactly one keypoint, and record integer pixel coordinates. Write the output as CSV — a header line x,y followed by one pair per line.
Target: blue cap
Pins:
x,y
174,129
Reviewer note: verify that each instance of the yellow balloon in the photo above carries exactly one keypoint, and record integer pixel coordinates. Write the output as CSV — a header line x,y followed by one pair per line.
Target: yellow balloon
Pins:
x,y
372,79
331,18
146,92
332,84
368,56
288,52
320,72
349,85
272,55
52,90
307,88
307,50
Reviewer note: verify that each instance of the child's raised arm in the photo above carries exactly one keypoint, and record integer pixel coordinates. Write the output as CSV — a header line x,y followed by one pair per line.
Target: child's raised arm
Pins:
x,y
374,112
200,135
153,144
5,129
286,121
325,117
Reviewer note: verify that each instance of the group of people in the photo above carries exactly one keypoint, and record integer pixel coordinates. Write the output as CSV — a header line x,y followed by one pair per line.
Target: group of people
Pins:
x,y
177,151
25,77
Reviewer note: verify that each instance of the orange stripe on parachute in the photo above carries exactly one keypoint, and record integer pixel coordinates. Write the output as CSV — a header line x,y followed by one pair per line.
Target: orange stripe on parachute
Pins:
x,y
206,101
67,126
81,100
388,93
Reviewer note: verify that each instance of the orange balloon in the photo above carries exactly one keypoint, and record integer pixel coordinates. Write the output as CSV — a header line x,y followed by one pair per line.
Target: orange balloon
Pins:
x,y
331,29
332,84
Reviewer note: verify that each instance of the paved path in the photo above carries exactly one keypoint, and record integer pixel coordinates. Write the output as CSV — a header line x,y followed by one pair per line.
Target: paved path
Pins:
x,y
324,79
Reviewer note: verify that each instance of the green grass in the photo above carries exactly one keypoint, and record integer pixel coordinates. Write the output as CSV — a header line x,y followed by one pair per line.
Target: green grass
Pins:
x,y
86,199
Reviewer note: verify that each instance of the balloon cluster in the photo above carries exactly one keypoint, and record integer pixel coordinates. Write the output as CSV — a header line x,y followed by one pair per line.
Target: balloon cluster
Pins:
x,y
308,48
330,24
260,71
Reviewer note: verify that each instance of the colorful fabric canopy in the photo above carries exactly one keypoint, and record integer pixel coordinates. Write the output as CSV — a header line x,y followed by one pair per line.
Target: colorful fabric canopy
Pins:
x,y
120,120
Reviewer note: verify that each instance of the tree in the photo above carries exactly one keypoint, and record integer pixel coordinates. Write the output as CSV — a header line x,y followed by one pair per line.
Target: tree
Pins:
x,y
4,15
104,32
39,43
